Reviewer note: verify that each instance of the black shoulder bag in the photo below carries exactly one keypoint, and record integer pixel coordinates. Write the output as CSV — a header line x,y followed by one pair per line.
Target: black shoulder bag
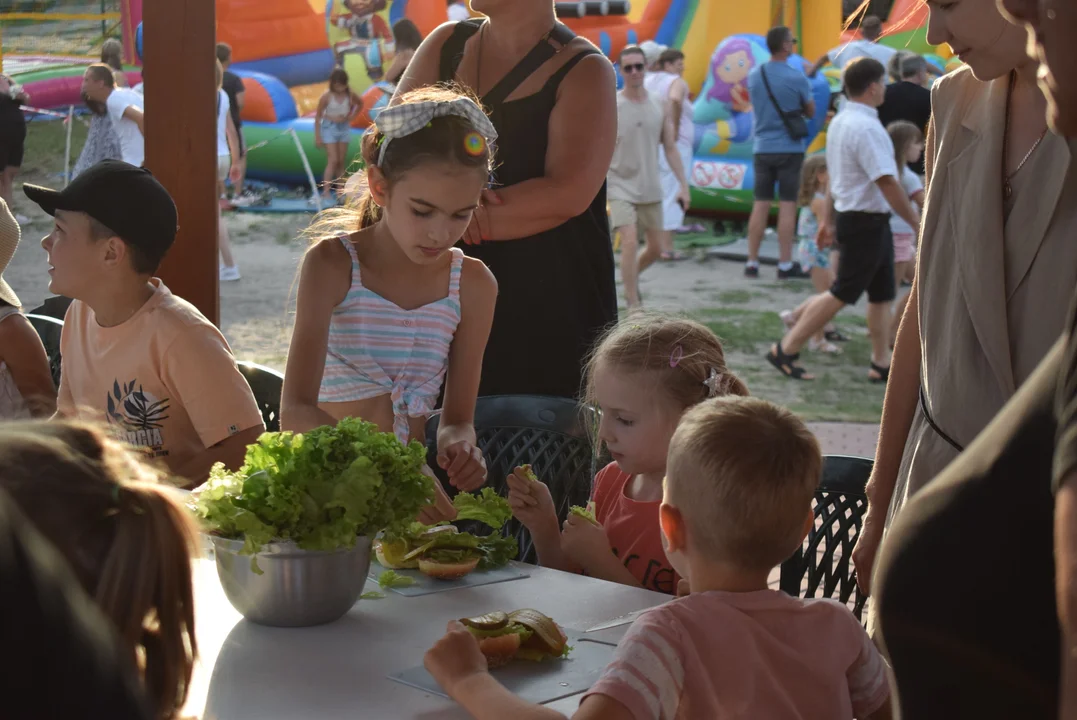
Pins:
x,y
795,122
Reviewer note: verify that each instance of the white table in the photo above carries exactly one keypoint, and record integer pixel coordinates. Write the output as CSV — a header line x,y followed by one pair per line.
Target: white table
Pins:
x,y
339,670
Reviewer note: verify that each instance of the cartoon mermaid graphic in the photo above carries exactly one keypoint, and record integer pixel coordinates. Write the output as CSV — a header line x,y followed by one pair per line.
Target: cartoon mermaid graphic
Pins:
x,y
730,69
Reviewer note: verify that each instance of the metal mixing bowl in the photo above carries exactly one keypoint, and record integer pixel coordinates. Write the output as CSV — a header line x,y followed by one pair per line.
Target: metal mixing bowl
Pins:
x,y
297,588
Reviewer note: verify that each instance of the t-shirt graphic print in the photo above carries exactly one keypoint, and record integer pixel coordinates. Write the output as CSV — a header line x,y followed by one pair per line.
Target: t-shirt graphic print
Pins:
x,y
138,417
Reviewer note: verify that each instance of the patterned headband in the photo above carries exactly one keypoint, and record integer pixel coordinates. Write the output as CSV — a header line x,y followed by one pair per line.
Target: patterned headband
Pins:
x,y
403,120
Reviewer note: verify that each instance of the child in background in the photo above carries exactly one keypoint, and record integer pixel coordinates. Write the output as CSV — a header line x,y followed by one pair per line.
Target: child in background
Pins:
x,y
137,357
228,160
388,310
814,188
643,375
908,146
737,502
333,126
26,387
125,537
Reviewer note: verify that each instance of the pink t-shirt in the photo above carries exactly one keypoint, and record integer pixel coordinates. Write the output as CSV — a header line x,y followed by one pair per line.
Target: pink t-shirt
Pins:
x,y
762,654
633,530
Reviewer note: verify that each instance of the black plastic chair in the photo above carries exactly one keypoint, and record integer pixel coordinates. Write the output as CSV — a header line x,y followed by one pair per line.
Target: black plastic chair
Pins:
x,y
53,307
49,330
266,384
823,566
548,433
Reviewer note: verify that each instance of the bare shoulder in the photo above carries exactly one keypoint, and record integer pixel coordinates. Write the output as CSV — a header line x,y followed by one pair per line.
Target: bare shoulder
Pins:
x,y
15,332
327,268
590,70
476,280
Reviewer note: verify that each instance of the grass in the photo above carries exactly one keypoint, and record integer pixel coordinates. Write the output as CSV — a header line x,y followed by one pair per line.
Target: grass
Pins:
x,y
44,156
841,390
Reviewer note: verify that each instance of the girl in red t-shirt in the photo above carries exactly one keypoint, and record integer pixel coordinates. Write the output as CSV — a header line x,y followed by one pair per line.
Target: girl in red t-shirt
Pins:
x,y
645,373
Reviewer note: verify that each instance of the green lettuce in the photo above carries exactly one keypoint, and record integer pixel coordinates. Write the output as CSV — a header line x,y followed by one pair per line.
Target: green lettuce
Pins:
x,y
587,513
497,550
393,579
487,507
321,489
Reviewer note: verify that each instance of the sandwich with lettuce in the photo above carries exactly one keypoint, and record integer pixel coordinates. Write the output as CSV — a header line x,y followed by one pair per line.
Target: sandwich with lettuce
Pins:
x,y
518,635
444,552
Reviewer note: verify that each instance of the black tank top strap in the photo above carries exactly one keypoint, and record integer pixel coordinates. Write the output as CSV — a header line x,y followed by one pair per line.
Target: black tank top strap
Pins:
x,y
452,52
535,58
555,80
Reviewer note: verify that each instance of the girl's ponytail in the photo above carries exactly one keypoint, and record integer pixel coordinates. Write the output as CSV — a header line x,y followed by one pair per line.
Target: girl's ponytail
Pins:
x,y
146,589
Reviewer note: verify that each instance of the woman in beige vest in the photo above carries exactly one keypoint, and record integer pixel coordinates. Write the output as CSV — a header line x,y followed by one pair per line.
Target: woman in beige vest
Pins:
x,y
997,261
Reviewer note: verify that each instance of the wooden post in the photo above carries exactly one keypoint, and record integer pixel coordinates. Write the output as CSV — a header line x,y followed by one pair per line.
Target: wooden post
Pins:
x,y
181,139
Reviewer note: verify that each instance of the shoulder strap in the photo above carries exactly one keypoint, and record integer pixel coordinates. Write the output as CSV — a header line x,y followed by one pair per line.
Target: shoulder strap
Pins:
x,y
555,80
454,272
531,62
452,52
774,101
346,241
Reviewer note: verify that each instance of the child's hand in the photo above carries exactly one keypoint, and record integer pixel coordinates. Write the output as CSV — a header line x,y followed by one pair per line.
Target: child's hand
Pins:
x,y
531,502
455,658
464,464
585,543
442,509
825,237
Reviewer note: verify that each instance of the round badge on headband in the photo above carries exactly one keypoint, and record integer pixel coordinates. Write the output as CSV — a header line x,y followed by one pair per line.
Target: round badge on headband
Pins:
x,y
474,144
403,120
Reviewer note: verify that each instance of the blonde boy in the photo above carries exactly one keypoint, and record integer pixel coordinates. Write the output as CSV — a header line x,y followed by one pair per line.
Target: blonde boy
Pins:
x,y
739,485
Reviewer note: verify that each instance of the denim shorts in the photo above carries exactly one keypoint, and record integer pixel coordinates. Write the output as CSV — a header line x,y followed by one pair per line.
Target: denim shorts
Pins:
x,y
336,132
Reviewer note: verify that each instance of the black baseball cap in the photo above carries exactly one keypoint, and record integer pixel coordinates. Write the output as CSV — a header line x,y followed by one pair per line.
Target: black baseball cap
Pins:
x,y
126,199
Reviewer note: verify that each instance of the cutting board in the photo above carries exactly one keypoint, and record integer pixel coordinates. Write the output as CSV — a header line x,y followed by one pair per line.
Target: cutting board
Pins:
x,y
536,682
426,585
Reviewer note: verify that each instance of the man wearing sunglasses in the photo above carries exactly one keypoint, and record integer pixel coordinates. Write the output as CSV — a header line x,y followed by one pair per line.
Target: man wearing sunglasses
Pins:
x,y
634,186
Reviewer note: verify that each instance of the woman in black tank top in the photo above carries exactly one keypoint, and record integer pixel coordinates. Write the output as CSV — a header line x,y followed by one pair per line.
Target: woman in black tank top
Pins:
x,y
548,241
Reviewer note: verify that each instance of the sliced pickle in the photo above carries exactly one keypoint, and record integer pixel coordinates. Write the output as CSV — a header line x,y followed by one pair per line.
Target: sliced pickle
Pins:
x,y
547,634
489,621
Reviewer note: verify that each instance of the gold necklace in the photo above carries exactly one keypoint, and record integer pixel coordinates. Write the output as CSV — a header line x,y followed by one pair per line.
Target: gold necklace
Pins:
x,y
1007,188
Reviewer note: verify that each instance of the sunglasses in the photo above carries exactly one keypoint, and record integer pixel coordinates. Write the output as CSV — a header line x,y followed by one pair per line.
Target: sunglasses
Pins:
x,y
633,68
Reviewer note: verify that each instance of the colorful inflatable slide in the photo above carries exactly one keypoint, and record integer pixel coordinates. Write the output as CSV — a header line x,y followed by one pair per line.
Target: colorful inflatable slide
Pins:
x,y
285,49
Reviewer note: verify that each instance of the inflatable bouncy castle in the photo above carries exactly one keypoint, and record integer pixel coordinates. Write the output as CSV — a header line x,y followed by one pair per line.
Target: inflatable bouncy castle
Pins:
x,y
721,175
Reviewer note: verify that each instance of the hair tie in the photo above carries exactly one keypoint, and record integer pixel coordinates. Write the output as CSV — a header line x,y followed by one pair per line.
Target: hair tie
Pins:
x,y
474,144
676,356
713,382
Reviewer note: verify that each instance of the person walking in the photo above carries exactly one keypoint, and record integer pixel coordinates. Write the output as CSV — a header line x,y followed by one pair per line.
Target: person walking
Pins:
x,y
544,232
664,80
909,100
124,107
867,45
635,188
864,188
781,100
233,87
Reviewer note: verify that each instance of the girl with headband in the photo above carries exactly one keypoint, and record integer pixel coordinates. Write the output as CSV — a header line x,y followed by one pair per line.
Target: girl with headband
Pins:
x,y
388,311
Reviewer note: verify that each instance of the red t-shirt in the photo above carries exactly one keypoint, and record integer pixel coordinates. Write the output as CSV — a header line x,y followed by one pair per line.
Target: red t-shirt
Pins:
x,y
633,530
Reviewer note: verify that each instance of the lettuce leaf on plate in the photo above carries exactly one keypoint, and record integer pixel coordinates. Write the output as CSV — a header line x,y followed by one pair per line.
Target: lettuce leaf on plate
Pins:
x,y
321,489
486,507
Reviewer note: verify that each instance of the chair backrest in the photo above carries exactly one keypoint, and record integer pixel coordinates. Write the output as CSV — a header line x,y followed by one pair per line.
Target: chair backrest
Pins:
x,y
53,307
547,433
49,330
266,384
823,566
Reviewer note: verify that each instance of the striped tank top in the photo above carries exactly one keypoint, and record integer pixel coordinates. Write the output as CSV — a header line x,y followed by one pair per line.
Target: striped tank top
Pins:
x,y
378,348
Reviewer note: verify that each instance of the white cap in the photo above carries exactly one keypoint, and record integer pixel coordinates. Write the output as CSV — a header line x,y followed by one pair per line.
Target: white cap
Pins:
x,y
651,51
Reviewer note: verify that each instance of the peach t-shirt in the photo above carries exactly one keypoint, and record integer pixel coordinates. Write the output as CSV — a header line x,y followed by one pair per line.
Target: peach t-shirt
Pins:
x,y
633,530
165,381
763,654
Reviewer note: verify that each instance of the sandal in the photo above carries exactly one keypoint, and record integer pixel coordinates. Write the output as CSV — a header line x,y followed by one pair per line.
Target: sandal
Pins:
x,y
882,374
835,336
785,364
824,346
673,256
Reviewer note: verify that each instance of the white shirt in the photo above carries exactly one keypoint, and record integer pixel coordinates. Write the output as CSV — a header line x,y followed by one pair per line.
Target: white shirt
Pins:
x,y
658,84
911,184
132,144
458,11
844,54
859,152
223,107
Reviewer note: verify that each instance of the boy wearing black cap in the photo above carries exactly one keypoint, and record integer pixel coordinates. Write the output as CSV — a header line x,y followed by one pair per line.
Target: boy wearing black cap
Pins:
x,y
136,356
